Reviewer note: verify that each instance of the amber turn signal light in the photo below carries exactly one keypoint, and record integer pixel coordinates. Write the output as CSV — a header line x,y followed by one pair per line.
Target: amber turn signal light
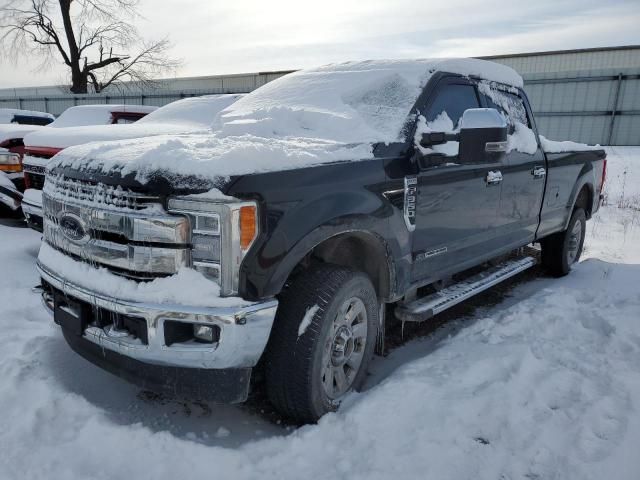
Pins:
x,y
248,226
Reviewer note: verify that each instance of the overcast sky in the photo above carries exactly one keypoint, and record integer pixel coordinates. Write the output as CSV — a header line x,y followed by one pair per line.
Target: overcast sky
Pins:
x,y
234,36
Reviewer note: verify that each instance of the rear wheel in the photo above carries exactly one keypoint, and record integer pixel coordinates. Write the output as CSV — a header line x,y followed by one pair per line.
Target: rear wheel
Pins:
x,y
561,250
322,341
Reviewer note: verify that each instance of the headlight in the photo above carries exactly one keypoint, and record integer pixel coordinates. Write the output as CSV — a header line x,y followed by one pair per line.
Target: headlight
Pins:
x,y
221,236
10,162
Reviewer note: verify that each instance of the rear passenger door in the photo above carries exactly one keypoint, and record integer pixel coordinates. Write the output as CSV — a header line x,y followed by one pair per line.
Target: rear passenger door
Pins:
x,y
524,170
456,208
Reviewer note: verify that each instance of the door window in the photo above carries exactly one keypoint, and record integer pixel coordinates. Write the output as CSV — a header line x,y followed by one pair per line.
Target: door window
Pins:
x,y
453,99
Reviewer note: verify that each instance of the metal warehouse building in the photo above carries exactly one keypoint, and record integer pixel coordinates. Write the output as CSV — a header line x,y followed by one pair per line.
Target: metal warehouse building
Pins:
x,y
589,95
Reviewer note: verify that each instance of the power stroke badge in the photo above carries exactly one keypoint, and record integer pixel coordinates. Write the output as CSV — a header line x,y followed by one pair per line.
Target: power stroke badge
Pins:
x,y
410,198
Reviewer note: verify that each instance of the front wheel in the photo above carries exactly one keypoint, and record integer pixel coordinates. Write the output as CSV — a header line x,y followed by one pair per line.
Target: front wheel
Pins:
x,y
561,250
322,341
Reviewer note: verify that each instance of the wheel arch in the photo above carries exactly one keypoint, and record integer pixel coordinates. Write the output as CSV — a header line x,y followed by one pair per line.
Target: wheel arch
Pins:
x,y
584,199
359,250
362,251
583,196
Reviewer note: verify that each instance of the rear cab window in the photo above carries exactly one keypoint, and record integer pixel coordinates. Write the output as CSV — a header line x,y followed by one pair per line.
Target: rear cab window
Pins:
x,y
510,103
507,101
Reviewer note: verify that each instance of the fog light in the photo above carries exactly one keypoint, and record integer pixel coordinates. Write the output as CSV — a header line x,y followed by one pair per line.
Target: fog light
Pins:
x,y
203,333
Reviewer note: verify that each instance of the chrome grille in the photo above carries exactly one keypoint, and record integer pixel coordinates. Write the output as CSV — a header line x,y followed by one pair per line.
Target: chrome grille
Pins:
x,y
97,194
128,233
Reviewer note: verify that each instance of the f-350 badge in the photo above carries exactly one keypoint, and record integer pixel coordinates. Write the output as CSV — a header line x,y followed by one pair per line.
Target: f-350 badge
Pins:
x,y
410,198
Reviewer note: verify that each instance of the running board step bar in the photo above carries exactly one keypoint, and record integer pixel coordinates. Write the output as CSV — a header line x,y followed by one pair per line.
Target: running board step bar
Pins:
x,y
426,307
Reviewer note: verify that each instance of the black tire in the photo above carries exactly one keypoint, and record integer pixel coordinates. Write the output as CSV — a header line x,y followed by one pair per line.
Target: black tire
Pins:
x,y
559,251
295,365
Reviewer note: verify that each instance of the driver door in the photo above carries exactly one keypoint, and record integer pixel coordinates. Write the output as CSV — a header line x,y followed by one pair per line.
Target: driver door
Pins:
x,y
457,200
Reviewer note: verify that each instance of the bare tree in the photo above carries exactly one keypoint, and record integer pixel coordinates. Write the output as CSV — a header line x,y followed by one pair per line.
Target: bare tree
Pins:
x,y
94,38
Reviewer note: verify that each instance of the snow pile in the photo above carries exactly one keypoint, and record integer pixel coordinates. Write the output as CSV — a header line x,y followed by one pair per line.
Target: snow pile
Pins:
x,y
94,114
184,116
552,146
187,287
7,114
332,113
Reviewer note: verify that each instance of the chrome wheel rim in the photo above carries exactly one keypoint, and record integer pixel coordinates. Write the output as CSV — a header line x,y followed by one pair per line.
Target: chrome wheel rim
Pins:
x,y
344,348
575,237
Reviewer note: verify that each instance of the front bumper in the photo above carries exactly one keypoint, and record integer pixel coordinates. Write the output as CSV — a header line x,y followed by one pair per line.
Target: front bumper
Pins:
x,y
179,367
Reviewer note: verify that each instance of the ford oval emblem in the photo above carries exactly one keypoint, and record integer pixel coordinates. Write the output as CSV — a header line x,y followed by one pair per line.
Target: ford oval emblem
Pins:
x,y
72,228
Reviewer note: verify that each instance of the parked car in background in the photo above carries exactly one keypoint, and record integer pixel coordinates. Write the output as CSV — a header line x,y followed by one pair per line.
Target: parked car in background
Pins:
x,y
321,201
12,134
11,143
183,116
10,196
25,117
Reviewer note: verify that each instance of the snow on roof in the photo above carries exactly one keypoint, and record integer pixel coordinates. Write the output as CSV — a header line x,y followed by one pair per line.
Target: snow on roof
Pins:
x,y
348,102
196,111
553,146
7,114
327,114
95,114
183,116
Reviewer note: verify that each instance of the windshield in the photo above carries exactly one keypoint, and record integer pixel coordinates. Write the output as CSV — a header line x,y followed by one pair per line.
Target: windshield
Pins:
x,y
197,110
348,103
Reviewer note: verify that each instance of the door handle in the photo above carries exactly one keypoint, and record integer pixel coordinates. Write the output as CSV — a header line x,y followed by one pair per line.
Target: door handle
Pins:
x,y
494,177
538,172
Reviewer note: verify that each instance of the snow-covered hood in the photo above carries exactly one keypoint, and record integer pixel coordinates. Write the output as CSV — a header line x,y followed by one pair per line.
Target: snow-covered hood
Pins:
x,y
67,137
211,157
14,130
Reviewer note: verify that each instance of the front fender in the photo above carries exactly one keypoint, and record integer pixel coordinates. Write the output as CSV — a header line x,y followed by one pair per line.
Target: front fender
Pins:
x,y
300,209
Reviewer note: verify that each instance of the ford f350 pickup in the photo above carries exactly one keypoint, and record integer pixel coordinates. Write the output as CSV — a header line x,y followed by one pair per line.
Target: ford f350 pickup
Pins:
x,y
323,202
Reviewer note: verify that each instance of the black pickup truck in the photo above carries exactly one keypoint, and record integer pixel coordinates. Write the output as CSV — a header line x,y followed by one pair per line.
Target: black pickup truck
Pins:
x,y
324,203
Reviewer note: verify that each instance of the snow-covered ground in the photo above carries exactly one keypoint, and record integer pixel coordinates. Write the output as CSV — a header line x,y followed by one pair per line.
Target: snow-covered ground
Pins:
x,y
545,384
